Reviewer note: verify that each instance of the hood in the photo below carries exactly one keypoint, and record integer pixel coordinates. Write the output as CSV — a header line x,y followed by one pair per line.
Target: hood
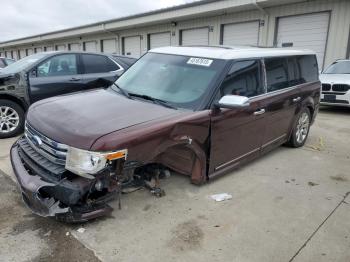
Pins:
x,y
78,120
335,78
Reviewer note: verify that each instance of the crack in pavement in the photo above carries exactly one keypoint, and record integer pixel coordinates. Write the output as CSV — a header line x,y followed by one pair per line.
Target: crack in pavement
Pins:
x,y
318,228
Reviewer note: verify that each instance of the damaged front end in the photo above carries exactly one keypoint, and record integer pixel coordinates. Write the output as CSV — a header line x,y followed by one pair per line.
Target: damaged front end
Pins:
x,y
49,189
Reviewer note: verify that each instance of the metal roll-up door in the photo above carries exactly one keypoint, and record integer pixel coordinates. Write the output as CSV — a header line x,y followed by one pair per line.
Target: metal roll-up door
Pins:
x,y
22,53
132,46
246,33
15,54
74,47
38,50
30,51
48,48
60,47
159,40
109,46
309,31
198,36
90,46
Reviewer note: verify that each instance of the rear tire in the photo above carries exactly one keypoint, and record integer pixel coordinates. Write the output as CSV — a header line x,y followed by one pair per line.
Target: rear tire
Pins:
x,y
11,118
301,129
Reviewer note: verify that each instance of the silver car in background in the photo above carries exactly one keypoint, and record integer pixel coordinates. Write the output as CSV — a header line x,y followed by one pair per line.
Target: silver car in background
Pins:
x,y
336,84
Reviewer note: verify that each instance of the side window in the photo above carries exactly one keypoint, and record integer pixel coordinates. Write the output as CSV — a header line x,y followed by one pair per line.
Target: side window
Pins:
x,y
97,64
112,66
243,79
308,68
276,73
294,72
60,65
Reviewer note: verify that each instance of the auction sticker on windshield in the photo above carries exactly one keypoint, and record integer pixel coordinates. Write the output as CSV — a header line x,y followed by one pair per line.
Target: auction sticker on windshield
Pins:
x,y
199,61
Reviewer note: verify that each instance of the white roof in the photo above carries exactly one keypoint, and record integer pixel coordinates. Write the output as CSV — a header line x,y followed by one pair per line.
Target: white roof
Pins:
x,y
229,52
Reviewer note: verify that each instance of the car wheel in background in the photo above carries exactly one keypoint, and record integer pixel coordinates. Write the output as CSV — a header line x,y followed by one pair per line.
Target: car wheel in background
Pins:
x,y
11,119
301,129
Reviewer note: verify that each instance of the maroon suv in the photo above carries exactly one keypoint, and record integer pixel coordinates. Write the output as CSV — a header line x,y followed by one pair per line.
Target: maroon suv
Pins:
x,y
200,111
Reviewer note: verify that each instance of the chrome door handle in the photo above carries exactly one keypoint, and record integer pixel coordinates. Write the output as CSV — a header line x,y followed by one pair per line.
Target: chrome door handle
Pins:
x,y
297,99
73,79
259,112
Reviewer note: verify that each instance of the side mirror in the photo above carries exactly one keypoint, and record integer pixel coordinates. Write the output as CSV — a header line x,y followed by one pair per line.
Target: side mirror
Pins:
x,y
33,73
233,101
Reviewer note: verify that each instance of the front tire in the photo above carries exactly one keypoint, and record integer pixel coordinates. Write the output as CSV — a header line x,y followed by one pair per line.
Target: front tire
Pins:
x,y
301,129
11,118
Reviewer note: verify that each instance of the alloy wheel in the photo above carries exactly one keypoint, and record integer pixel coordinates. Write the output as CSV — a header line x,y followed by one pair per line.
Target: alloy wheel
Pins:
x,y
302,128
9,119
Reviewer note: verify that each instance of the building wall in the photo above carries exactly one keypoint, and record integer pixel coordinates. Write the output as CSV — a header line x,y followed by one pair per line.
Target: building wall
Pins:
x,y
337,43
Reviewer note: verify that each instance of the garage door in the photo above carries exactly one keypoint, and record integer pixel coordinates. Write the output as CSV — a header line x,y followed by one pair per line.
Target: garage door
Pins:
x,y
90,46
22,53
159,40
15,54
109,46
30,51
132,46
199,36
38,50
74,47
48,48
60,47
241,34
305,32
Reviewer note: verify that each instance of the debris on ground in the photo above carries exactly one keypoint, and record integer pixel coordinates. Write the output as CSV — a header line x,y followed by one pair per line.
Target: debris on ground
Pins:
x,y
67,234
47,234
319,146
81,230
221,197
312,184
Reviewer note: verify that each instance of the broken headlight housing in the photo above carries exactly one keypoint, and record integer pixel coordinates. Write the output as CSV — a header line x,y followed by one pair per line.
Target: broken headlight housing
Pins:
x,y
87,163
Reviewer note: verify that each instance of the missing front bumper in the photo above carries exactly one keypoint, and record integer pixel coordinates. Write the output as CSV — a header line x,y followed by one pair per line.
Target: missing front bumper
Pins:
x,y
50,205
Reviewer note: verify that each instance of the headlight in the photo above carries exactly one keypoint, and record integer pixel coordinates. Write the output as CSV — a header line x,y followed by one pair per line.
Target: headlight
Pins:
x,y
86,163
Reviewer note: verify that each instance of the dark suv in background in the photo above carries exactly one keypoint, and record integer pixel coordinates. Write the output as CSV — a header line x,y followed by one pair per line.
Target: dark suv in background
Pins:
x,y
5,62
50,74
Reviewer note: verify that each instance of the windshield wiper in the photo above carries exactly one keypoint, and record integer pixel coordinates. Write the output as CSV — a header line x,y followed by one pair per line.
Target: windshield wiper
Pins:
x,y
155,100
124,92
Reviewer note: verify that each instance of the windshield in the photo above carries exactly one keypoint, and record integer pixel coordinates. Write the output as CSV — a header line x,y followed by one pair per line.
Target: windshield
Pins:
x,y
341,67
22,64
181,81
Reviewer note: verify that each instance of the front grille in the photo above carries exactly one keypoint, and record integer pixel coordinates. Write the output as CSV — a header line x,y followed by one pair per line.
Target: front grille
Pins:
x,y
38,164
46,147
326,87
340,87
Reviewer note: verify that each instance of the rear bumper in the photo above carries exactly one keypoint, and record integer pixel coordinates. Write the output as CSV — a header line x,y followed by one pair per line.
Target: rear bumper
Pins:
x,y
49,199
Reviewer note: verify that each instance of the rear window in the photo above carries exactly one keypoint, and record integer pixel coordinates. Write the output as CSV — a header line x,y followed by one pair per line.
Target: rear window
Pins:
x,y
308,68
98,64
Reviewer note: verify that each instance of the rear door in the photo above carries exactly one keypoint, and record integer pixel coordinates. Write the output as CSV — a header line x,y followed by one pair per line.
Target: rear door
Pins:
x,y
282,99
99,71
236,134
55,76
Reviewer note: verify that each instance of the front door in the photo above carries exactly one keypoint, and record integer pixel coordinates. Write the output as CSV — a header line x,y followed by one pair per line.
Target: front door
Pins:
x,y
55,76
236,134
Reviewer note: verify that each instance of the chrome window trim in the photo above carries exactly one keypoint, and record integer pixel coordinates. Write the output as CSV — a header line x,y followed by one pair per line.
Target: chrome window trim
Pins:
x,y
120,67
